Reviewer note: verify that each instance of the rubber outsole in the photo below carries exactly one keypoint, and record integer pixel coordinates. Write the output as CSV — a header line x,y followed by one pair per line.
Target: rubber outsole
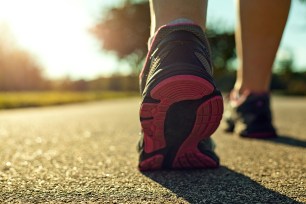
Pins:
x,y
269,134
161,148
259,135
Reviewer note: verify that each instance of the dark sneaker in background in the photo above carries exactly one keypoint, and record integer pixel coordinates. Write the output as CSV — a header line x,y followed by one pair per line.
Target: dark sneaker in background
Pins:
x,y
181,107
252,112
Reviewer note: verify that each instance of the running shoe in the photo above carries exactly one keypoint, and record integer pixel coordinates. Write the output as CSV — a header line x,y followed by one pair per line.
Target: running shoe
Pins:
x,y
181,107
252,112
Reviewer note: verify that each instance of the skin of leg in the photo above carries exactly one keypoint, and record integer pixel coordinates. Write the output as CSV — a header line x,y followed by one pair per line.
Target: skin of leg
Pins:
x,y
258,34
165,11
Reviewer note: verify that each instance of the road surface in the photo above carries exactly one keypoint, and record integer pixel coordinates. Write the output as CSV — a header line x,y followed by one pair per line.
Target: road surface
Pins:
x,y
86,153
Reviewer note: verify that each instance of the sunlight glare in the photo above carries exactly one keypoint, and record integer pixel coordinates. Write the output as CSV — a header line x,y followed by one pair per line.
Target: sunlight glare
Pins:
x,y
56,32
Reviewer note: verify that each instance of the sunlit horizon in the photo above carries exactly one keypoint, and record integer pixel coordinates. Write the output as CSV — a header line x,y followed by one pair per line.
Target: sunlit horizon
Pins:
x,y
57,34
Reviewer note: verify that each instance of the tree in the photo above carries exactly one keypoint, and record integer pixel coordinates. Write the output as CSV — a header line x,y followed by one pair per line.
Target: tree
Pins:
x,y
125,31
18,69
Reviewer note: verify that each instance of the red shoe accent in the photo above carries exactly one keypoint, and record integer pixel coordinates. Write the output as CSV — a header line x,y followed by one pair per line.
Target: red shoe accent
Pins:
x,y
181,87
169,91
194,159
209,115
152,163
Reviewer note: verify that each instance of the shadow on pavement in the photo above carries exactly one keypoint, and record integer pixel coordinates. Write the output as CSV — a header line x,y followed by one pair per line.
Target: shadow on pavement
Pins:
x,y
216,186
288,140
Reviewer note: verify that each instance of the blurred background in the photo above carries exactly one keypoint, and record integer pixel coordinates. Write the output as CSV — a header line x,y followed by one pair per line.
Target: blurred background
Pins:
x,y
63,51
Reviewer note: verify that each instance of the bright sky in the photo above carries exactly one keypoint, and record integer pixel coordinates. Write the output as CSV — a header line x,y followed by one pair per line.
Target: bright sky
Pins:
x,y
56,32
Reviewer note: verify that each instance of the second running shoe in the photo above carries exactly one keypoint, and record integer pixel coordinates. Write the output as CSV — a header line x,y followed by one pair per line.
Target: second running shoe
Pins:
x,y
181,107
252,113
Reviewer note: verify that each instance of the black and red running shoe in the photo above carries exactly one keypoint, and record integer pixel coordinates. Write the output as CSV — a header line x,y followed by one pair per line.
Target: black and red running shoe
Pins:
x,y
181,107
252,113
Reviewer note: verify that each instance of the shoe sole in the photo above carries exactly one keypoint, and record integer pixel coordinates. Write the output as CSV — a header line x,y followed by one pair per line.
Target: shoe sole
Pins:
x,y
230,128
186,104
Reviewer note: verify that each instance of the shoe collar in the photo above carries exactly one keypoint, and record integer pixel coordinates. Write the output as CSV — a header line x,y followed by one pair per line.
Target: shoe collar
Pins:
x,y
236,97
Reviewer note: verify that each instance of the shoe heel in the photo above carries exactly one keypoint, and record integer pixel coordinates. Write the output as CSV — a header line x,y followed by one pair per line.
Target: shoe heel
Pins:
x,y
170,91
159,146
208,118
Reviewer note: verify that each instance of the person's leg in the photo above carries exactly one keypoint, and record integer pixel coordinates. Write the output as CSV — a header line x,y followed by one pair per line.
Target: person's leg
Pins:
x,y
165,11
258,33
181,107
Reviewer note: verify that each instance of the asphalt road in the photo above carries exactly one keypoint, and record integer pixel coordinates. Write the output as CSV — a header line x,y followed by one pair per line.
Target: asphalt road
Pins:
x,y
86,153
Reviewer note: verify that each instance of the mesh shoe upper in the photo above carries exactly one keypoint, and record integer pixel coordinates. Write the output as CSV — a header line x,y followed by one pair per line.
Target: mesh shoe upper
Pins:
x,y
160,57
254,113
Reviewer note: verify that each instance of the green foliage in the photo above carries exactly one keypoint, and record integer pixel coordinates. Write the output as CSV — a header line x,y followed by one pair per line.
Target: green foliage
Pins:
x,y
223,49
10,100
116,82
295,83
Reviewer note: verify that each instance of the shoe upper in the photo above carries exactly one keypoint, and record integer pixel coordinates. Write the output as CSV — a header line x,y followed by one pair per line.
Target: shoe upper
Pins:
x,y
253,111
180,46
